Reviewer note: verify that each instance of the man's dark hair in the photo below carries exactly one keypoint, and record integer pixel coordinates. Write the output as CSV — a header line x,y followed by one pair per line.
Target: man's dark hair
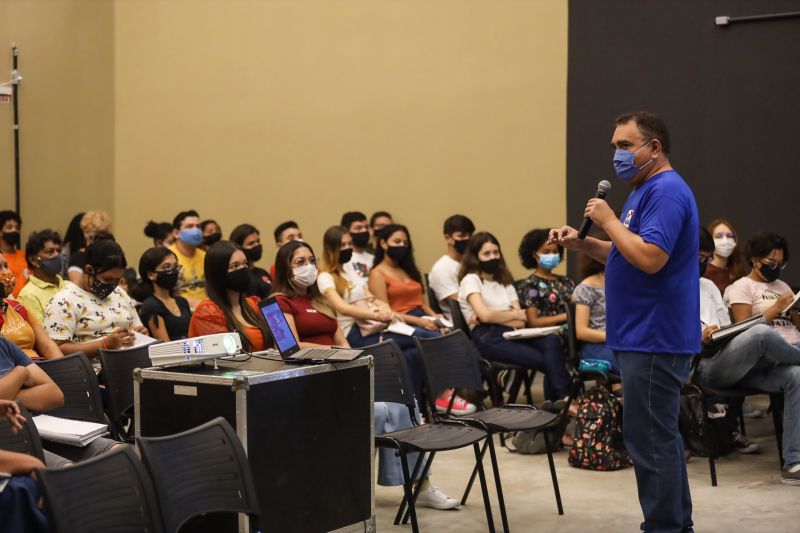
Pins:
x,y
352,216
7,215
178,220
459,223
706,240
531,242
761,245
283,226
36,242
378,214
651,127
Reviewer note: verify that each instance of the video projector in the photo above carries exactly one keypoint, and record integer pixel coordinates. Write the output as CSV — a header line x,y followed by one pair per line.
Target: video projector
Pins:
x,y
195,349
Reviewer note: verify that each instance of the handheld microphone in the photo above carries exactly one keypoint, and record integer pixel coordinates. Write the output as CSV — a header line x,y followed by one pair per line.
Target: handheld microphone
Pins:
x,y
602,189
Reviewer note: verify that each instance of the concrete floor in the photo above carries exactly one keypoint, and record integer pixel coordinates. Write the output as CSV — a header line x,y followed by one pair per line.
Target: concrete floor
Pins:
x,y
749,497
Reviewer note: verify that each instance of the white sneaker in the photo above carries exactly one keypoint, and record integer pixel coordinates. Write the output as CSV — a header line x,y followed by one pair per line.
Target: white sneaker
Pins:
x,y
434,498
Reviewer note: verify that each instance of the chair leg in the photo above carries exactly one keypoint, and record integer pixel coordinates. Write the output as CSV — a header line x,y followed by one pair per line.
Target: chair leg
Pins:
x,y
553,474
418,488
516,384
529,377
484,488
403,503
498,485
776,406
472,477
407,484
712,470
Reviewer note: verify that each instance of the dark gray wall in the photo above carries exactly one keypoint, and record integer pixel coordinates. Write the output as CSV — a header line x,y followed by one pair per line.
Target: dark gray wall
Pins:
x,y
730,97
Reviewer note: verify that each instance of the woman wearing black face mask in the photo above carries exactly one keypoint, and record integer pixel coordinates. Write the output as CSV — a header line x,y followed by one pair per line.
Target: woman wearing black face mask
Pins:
x,y
10,226
212,233
761,292
166,316
227,307
487,293
249,239
94,313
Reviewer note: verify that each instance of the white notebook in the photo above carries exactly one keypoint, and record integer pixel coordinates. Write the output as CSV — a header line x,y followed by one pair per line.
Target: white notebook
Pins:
x,y
530,333
66,431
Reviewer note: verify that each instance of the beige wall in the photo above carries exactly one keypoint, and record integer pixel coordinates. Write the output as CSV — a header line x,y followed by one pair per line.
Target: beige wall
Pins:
x,y
66,108
264,110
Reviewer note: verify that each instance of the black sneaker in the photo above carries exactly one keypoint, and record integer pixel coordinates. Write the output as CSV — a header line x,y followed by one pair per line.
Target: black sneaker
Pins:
x,y
790,475
742,445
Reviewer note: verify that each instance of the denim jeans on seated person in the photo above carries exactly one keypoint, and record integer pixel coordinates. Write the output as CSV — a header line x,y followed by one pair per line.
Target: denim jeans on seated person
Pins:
x,y
391,417
57,454
760,359
652,385
599,350
544,354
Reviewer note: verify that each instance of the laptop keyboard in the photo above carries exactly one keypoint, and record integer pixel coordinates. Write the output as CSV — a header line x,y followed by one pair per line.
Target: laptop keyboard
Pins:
x,y
315,353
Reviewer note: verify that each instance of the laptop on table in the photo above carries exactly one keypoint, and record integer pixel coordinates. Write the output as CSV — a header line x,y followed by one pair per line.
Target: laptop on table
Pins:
x,y
288,346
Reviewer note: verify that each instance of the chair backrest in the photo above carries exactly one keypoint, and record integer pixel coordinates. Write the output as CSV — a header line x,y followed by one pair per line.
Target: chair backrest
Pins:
x,y
202,470
110,492
118,369
433,301
391,373
76,378
26,440
450,361
459,321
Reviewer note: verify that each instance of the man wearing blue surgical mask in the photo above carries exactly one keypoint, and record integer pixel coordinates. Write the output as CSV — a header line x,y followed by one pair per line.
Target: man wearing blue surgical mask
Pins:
x,y
188,238
652,305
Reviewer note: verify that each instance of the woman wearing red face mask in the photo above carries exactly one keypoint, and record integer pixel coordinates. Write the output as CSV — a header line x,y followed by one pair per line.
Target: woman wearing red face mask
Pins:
x,y
19,326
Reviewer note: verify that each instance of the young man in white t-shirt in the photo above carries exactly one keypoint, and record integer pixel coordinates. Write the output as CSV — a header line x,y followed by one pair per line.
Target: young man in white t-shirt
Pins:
x,y
443,278
355,222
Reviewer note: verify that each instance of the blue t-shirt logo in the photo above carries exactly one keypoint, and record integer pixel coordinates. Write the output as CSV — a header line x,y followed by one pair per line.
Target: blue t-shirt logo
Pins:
x,y
628,217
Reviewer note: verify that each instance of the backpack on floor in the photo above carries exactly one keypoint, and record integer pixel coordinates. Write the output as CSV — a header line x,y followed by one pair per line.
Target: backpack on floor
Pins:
x,y
700,433
597,443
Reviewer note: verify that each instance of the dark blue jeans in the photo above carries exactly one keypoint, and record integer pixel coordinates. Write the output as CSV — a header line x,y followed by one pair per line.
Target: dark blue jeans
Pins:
x,y
544,354
652,385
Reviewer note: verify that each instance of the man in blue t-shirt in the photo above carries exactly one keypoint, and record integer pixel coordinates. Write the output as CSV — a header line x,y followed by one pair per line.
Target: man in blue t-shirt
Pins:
x,y
652,304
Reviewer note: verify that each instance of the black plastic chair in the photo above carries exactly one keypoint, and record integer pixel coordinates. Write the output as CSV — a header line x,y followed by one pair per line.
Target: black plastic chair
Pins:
x,y
76,378
391,385
451,361
26,440
110,492
433,301
199,471
118,369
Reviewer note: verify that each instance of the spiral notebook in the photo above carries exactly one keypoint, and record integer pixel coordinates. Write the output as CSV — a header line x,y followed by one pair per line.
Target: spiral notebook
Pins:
x,y
723,335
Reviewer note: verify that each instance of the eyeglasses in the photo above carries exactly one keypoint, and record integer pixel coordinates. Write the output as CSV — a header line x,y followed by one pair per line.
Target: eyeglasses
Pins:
x,y
774,264
238,266
169,269
302,261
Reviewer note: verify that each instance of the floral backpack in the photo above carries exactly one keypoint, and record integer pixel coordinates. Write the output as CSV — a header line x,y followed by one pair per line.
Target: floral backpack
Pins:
x,y
598,441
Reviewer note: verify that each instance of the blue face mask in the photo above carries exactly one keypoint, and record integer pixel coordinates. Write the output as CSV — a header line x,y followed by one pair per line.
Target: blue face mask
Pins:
x,y
623,162
191,236
549,261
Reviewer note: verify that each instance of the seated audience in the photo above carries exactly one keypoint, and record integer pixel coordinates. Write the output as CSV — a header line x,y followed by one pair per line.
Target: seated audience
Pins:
x,y
310,317
73,242
543,294
361,261
759,358
94,224
727,264
188,238
43,254
160,232
212,233
10,247
443,279
378,221
248,238
590,311
94,313
164,314
227,308
18,325
486,291
285,232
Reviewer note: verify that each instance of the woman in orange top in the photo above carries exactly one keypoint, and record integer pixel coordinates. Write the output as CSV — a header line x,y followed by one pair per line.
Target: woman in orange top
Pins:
x,y
19,326
227,308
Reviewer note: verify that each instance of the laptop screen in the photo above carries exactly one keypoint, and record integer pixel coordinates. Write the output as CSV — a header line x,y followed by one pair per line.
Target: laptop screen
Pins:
x,y
278,325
